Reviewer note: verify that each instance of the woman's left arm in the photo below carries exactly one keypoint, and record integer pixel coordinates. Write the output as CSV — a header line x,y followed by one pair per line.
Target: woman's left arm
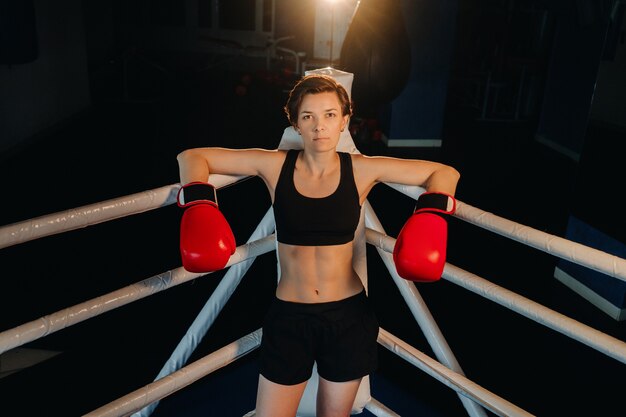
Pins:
x,y
432,176
419,253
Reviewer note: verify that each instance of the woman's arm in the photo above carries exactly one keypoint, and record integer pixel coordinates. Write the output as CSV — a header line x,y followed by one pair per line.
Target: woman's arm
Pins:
x,y
420,249
206,239
433,176
197,163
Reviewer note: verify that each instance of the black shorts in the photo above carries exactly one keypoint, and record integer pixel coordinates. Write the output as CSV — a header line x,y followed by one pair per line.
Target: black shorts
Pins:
x,y
339,335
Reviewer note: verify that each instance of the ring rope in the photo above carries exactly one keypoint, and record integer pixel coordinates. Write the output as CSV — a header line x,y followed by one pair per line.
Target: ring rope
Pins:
x,y
563,248
580,254
88,215
450,378
61,319
420,312
596,339
91,214
163,387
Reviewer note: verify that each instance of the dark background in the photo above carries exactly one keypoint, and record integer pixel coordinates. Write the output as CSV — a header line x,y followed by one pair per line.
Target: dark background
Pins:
x,y
67,142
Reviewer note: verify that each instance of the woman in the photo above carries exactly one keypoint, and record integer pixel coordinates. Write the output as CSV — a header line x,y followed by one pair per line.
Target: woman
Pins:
x,y
320,312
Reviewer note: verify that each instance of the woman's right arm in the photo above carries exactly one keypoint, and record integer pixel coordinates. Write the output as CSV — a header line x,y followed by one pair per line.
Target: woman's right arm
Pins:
x,y
197,163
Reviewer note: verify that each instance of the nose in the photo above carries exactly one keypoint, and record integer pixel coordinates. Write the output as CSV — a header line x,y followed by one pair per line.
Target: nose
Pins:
x,y
319,127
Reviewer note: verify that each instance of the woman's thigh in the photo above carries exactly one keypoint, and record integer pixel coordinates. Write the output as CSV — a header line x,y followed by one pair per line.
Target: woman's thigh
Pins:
x,y
335,399
276,400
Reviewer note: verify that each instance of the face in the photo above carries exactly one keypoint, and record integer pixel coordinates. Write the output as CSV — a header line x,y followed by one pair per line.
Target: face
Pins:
x,y
320,121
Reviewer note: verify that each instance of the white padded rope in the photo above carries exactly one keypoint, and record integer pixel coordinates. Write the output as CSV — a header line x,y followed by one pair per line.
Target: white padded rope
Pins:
x,y
589,257
452,379
589,336
421,313
70,316
91,214
76,218
580,254
169,384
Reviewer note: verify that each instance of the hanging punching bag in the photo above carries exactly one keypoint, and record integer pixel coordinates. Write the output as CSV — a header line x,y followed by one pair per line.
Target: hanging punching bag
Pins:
x,y
18,34
376,49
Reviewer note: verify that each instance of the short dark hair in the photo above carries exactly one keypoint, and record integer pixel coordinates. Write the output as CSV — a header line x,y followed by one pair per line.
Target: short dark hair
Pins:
x,y
315,84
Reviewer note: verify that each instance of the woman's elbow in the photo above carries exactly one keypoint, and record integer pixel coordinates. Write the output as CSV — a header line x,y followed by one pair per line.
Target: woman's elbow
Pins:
x,y
454,174
450,177
184,155
449,173
191,157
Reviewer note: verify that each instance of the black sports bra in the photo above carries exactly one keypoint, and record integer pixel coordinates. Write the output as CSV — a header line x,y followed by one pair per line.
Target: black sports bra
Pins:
x,y
311,221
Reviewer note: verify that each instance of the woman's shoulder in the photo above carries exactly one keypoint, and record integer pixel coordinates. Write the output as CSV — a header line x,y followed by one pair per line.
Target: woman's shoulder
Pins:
x,y
265,153
360,159
268,159
371,166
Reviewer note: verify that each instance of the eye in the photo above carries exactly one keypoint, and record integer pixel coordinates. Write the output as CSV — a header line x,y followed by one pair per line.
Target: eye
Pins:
x,y
306,116
331,115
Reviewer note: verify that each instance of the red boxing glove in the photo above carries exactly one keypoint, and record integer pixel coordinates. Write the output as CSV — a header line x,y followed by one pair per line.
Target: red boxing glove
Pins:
x,y
206,240
420,250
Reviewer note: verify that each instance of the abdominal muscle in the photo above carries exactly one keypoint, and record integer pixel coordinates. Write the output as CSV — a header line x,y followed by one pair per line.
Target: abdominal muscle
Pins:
x,y
317,274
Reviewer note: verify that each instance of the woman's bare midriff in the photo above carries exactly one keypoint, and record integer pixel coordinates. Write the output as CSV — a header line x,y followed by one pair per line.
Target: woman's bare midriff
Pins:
x,y
317,274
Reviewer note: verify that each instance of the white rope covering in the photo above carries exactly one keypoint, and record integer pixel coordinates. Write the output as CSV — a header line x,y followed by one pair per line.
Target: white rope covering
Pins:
x,y
421,313
70,316
88,215
596,339
452,379
167,385
597,260
76,218
589,257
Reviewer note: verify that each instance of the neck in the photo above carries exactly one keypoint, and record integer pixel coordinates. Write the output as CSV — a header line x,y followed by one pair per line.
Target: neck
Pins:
x,y
319,162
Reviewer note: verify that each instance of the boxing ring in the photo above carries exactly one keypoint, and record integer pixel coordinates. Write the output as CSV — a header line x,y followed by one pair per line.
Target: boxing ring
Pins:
x,y
177,374
446,370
